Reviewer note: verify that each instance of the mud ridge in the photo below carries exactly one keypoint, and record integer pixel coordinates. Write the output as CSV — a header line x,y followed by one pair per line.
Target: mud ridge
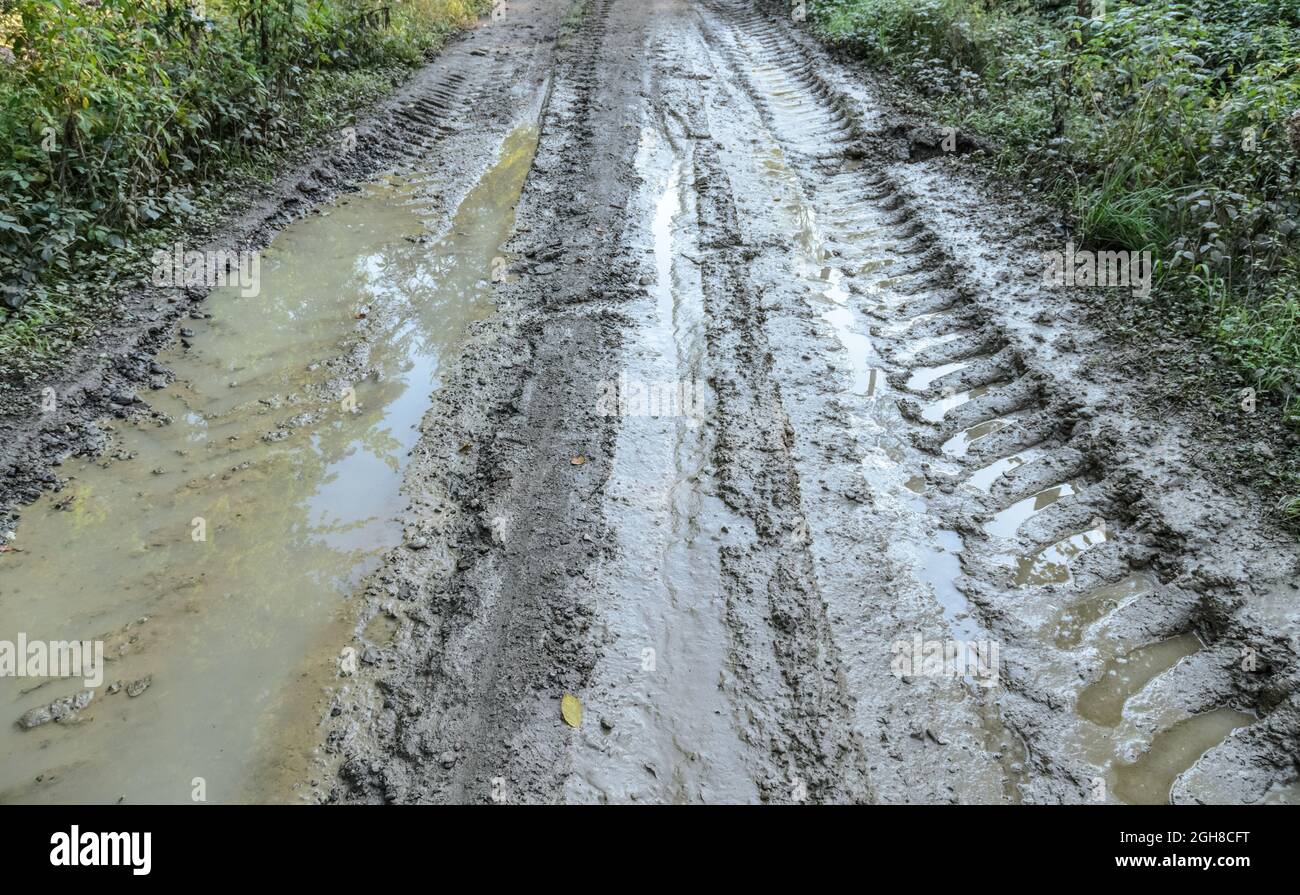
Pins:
x,y
500,621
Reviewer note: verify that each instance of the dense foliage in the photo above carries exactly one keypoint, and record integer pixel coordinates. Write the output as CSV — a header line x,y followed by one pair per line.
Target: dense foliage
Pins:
x,y
1169,126
112,110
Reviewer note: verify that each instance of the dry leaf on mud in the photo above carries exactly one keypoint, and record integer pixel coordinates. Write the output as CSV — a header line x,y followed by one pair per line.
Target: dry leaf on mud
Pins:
x,y
578,460
571,710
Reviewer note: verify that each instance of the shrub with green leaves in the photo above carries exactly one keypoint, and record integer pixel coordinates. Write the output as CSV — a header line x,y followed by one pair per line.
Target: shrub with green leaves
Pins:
x,y
1163,125
112,110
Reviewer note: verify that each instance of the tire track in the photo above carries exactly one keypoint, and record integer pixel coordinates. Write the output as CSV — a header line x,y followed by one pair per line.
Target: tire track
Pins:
x,y
511,472
1045,513
903,438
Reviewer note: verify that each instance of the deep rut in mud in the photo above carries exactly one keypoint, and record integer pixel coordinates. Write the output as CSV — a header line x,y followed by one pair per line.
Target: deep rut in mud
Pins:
x,y
769,406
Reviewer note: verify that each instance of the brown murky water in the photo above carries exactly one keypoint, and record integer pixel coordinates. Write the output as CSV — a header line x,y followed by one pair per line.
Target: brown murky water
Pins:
x,y
1103,702
1073,621
1148,780
214,557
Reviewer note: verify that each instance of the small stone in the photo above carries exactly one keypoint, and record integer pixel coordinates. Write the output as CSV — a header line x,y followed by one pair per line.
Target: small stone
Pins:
x,y
58,710
348,662
35,718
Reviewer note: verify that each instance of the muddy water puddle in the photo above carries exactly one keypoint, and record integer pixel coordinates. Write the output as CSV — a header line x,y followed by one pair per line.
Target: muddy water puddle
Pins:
x,y
941,569
935,411
1103,702
1072,622
214,558
984,479
1145,776
1005,523
921,377
1051,564
1149,780
959,445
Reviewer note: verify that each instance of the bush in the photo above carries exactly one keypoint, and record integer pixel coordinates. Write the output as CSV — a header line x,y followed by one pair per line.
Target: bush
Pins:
x,y
1162,125
112,110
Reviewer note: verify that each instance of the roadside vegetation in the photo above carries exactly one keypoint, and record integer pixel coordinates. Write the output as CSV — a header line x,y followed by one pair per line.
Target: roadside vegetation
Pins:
x,y
1165,126
119,117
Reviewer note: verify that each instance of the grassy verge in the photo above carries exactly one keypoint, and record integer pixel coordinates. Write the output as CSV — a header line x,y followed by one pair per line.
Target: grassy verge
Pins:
x,y
120,120
1172,127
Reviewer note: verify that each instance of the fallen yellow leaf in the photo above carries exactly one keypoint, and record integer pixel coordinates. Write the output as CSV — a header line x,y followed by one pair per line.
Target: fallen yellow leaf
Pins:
x,y
578,460
571,710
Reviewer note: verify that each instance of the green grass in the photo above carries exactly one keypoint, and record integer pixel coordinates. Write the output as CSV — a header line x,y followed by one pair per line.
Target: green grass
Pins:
x,y
1111,213
1265,336
1290,508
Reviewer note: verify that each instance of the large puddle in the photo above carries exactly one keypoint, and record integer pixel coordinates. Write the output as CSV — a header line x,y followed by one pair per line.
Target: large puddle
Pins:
x,y
214,555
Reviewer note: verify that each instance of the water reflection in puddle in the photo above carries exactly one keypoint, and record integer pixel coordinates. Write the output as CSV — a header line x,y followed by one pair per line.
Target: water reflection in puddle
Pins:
x,y
1005,523
1051,565
921,377
215,560
941,568
935,411
983,479
959,445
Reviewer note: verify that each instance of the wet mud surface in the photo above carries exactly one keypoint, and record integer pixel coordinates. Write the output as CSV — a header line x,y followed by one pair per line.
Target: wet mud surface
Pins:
x,y
683,384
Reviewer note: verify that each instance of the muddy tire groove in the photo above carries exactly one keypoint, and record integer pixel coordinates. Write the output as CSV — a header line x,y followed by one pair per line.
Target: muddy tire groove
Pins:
x,y
1018,407
772,579
472,710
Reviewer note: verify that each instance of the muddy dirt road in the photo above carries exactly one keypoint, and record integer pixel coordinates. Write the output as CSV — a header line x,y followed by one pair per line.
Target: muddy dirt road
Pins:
x,y
662,362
